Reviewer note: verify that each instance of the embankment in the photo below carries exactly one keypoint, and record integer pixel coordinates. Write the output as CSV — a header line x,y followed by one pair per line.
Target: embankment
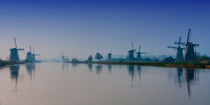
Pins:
x,y
164,64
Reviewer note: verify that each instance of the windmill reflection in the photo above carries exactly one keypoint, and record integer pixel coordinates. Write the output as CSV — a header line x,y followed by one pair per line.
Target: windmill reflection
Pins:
x,y
189,78
64,66
14,73
30,67
179,75
74,64
132,71
99,68
139,71
109,68
90,66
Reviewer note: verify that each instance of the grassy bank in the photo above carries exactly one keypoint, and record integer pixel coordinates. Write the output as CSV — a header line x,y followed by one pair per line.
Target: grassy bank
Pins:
x,y
164,64
5,63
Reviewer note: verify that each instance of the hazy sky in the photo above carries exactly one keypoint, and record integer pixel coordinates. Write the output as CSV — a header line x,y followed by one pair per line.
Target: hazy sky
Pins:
x,y
84,27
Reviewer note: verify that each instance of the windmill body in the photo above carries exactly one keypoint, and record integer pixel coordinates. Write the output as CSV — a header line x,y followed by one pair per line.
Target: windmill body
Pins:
x,y
64,59
190,55
179,50
28,57
179,56
131,53
109,56
14,55
31,56
139,54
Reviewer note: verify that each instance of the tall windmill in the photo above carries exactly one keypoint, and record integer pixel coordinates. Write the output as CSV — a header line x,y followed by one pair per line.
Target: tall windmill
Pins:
x,y
139,53
179,50
14,55
131,53
190,54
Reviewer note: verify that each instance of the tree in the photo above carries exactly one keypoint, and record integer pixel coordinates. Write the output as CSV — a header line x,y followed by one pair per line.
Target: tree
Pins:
x,y
169,59
98,56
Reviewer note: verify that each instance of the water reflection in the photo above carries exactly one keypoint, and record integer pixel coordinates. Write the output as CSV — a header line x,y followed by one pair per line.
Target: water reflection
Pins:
x,y
74,65
65,66
90,66
14,73
99,68
110,68
179,75
30,67
132,71
127,82
139,71
188,79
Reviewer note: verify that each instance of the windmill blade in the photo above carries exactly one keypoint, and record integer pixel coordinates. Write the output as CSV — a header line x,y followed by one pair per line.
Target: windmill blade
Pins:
x,y
132,45
172,47
188,36
30,49
143,52
20,49
181,43
196,45
15,42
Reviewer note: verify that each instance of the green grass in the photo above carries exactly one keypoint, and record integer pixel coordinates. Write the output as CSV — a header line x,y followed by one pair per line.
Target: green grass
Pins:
x,y
165,64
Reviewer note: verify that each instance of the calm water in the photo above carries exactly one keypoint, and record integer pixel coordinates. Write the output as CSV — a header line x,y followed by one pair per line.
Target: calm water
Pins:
x,y
82,84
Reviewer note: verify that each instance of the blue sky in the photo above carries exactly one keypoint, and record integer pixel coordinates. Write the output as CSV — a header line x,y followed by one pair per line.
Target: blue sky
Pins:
x,y
84,27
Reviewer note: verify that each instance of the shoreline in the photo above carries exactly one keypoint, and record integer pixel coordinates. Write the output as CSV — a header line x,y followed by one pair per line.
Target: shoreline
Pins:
x,y
6,63
161,64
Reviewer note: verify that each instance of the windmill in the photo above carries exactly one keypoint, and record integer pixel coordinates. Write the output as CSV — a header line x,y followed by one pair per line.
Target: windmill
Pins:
x,y
190,54
131,53
29,55
14,55
65,59
109,56
33,55
179,50
139,53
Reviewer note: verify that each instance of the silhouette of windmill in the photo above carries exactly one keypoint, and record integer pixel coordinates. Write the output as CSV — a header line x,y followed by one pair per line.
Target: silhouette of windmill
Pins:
x,y
190,54
131,53
14,55
139,53
179,49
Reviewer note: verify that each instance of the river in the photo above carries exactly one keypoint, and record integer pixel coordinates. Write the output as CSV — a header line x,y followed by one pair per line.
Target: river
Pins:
x,y
94,84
